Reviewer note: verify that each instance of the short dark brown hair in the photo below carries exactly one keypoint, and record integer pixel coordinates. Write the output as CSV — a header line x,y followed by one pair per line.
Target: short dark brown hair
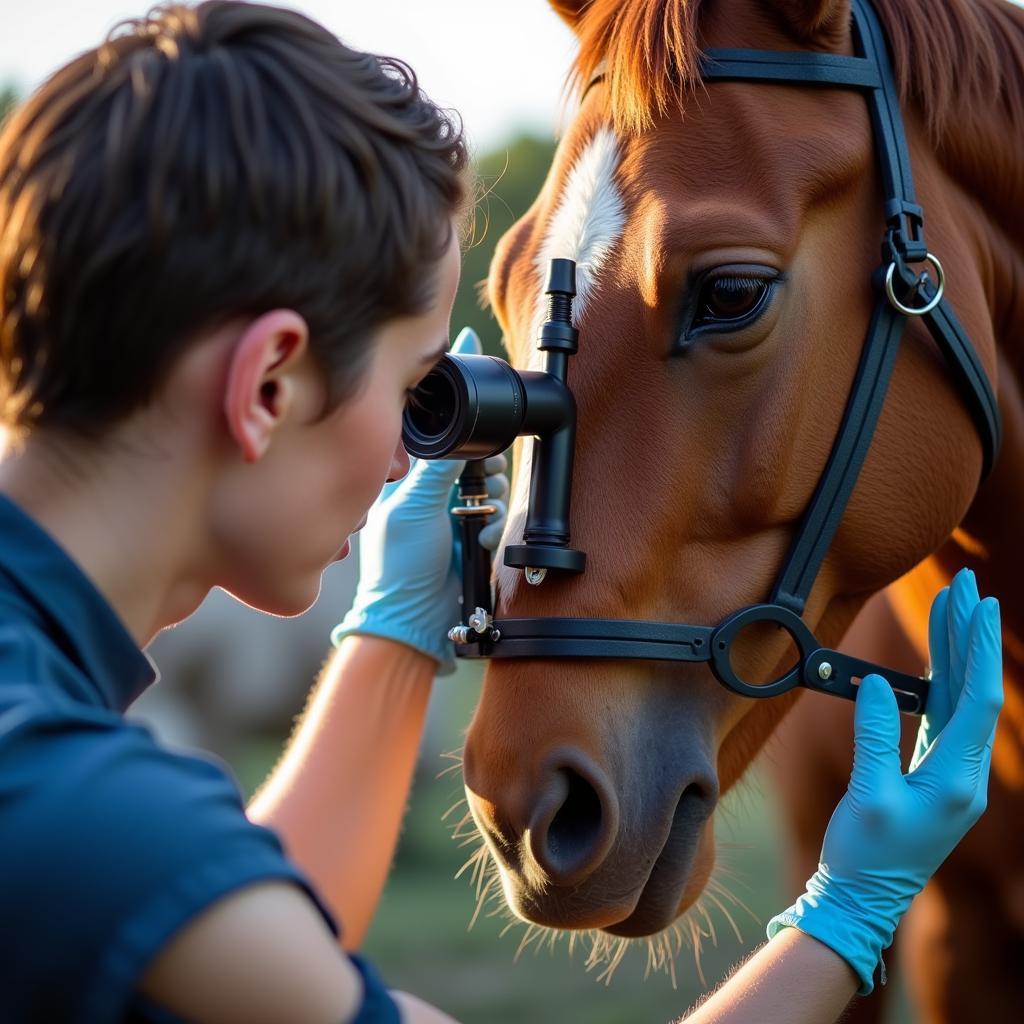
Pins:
x,y
203,163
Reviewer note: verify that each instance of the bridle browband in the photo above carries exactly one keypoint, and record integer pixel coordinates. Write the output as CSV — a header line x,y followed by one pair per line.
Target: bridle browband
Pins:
x,y
903,292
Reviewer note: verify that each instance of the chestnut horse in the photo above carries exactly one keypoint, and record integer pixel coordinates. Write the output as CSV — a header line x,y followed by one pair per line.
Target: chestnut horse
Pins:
x,y
726,236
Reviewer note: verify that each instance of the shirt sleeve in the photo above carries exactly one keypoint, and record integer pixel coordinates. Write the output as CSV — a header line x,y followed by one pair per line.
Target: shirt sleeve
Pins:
x,y
111,843
377,1007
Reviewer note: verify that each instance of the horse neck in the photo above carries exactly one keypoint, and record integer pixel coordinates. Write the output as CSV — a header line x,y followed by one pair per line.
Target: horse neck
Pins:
x,y
983,152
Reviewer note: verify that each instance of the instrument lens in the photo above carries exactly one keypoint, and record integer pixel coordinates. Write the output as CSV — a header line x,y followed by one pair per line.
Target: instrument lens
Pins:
x,y
432,406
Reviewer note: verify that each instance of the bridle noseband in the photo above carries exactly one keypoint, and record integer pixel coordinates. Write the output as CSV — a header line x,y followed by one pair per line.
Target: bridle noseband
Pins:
x,y
903,292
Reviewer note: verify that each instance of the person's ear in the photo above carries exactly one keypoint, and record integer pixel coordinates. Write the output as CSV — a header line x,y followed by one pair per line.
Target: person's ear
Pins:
x,y
264,378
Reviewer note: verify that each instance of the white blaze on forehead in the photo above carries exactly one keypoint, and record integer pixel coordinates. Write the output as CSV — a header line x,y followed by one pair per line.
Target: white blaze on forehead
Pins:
x,y
587,223
586,226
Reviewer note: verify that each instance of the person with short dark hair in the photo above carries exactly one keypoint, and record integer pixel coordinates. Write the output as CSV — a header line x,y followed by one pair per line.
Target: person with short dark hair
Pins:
x,y
229,247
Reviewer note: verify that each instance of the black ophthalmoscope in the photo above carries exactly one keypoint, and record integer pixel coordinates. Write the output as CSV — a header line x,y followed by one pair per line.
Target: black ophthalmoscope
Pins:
x,y
474,406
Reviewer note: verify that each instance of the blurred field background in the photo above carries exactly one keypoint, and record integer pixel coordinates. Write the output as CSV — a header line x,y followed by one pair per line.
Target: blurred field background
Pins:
x,y
233,680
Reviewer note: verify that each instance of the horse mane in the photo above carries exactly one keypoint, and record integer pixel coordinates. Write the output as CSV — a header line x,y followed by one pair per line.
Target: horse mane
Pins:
x,y
650,51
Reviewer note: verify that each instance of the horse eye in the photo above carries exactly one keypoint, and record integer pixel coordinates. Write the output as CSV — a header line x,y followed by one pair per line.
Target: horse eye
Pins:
x,y
724,300
728,300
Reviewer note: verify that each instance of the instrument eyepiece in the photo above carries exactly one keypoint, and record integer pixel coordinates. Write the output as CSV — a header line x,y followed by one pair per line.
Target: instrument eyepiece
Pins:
x,y
433,407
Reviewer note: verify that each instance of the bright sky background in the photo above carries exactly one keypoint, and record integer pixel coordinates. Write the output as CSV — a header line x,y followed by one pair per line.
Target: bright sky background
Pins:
x,y
500,63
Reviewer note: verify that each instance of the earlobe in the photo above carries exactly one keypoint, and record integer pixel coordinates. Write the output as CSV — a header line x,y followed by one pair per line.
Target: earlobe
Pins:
x,y
258,393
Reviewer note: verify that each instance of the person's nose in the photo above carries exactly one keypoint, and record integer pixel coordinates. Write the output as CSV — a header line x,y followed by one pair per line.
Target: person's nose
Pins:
x,y
399,463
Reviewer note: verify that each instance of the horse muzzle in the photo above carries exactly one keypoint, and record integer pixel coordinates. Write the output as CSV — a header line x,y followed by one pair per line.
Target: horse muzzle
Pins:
x,y
580,843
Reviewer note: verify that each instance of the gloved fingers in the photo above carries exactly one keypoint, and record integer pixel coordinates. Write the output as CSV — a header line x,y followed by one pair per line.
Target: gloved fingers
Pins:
x,y
490,535
495,464
467,343
389,488
963,599
430,480
497,486
876,733
940,706
973,721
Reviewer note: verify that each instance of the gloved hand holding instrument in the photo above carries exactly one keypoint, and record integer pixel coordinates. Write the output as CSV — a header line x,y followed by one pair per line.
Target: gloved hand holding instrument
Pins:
x,y
410,573
891,831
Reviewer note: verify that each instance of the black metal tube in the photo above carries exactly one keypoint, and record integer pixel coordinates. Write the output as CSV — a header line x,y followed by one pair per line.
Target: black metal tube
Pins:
x,y
476,560
549,403
551,487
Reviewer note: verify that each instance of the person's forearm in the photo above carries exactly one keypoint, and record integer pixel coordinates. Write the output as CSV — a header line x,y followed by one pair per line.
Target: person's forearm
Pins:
x,y
793,979
338,794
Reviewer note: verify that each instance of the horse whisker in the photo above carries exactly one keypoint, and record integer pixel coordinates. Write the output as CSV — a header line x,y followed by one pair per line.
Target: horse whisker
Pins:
x,y
532,931
711,924
481,899
732,897
695,937
474,859
725,871
458,803
455,756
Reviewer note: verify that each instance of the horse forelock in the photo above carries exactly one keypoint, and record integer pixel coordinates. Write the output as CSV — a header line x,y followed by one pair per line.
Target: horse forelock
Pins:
x,y
646,50
649,52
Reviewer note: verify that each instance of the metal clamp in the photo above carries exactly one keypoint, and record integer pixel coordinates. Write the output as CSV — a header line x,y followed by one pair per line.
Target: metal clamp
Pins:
x,y
935,299
477,627
471,509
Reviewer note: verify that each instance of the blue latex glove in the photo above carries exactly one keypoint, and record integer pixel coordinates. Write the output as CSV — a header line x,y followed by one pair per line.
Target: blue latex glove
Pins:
x,y
891,831
409,569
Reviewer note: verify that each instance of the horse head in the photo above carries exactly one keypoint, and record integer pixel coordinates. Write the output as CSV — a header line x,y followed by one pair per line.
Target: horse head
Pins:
x,y
726,235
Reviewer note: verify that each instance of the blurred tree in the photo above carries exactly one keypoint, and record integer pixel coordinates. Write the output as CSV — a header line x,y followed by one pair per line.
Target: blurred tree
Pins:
x,y
510,178
9,98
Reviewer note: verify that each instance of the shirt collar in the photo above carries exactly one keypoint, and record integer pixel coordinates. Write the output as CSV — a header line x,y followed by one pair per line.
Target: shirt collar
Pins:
x,y
83,623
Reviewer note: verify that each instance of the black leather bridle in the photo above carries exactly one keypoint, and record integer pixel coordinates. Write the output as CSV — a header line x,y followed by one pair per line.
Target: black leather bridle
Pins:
x,y
902,293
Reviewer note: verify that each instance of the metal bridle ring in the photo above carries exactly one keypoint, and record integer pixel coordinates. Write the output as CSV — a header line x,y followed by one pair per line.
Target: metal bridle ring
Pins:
x,y
727,631
935,299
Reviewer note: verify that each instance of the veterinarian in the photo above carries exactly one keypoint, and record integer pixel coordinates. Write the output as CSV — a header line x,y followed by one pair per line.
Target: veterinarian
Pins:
x,y
228,249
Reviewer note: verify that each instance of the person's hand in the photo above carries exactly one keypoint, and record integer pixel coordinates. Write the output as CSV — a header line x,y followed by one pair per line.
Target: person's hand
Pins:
x,y
409,565
891,831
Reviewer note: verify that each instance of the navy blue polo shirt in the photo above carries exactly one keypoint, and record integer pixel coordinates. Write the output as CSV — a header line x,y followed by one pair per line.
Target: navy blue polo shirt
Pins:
x,y
109,843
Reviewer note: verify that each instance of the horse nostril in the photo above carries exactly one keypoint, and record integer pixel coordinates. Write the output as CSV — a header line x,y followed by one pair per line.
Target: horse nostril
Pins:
x,y
574,825
701,790
578,821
